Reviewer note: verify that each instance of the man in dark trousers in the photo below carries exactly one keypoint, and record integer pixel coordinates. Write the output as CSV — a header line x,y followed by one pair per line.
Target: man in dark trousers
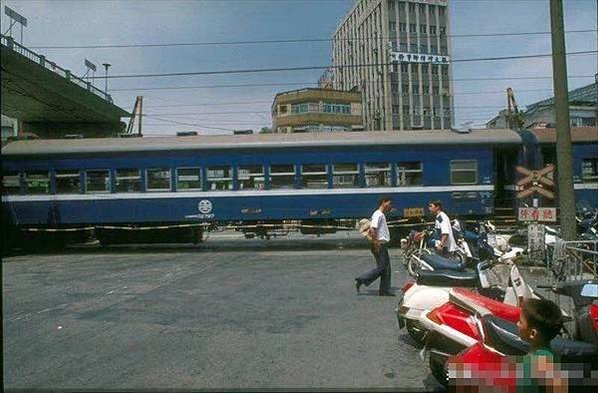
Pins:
x,y
380,236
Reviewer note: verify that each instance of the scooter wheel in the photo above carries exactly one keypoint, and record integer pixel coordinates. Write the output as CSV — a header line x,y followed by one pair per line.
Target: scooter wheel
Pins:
x,y
439,371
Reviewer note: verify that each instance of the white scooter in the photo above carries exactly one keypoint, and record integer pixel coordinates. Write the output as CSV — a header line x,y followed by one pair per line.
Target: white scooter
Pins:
x,y
431,289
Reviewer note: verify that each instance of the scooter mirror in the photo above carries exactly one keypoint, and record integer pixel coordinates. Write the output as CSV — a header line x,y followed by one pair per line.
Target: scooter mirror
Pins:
x,y
590,290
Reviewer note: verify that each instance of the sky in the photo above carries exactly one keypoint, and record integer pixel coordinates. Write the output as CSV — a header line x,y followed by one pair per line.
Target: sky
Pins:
x,y
198,105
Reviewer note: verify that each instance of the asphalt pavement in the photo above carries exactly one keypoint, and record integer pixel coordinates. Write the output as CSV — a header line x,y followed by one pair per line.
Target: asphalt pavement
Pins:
x,y
230,313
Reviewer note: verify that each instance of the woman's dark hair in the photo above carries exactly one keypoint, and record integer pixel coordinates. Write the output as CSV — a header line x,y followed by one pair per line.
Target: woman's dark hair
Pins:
x,y
543,315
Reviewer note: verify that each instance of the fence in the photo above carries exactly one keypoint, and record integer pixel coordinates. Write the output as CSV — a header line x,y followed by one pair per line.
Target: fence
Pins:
x,y
10,43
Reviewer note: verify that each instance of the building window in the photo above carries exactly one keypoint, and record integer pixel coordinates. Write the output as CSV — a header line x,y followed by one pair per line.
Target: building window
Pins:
x,y
337,108
442,31
413,48
423,29
68,182
432,29
404,68
589,170
464,172
412,28
392,26
283,109
314,176
395,109
128,180
282,176
403,27
403,47
434,69
158,179
97,181
409,174
425,89
11,183
252,177
188,179
219,178
345,175
444,70
377,175
411,7
299,108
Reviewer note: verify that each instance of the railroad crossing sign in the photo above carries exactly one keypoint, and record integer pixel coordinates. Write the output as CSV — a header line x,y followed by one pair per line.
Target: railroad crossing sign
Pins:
x,y
535,181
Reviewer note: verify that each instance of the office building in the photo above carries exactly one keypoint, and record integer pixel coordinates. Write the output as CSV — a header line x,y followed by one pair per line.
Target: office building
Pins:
x,y
397,53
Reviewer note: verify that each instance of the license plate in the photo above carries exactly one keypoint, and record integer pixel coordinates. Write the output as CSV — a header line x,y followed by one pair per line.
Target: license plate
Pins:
x,y
413,212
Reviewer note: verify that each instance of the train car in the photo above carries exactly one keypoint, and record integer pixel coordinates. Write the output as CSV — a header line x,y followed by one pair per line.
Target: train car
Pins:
x,y
584,142
316,178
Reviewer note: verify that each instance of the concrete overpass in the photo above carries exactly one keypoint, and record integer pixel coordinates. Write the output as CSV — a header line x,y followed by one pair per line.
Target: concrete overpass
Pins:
x,y
49,100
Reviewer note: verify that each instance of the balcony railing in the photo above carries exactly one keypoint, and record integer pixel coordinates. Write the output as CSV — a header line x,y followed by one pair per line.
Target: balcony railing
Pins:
x,y
10,43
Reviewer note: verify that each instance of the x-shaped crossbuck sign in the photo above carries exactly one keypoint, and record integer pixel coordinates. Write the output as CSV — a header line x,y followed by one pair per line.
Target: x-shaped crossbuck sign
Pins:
x,y
535,178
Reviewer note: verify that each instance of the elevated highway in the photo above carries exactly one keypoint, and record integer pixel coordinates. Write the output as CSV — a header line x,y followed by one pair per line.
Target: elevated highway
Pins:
x,y
49,100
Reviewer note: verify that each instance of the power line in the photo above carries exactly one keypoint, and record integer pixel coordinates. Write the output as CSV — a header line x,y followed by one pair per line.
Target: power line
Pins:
x,y
187,124
313,83
296,40
309,68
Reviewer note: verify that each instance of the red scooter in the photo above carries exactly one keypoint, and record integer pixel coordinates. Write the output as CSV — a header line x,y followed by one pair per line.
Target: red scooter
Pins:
x,y
460,324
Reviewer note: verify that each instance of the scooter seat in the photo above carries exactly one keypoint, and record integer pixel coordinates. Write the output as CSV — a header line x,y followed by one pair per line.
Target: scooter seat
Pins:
x,y
438,262
504,337
447,278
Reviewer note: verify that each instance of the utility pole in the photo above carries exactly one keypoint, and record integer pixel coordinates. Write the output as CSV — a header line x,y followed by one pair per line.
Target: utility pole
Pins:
x,y
563,129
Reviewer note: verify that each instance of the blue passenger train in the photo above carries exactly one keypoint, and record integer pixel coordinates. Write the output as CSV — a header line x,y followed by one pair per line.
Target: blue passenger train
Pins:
x,y
316,178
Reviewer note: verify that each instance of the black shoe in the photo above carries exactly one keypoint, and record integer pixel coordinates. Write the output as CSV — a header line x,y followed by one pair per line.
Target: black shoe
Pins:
x,y
358,284
388,294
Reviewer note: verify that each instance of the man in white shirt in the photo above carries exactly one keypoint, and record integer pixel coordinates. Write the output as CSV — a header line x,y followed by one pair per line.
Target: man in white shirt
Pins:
x,y
445,245
380,236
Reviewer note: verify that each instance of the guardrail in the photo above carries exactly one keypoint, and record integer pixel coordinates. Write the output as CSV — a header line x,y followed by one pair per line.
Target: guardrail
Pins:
x,y
574,260
10,43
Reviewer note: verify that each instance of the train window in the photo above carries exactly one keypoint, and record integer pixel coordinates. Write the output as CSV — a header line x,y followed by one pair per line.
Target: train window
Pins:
x,y
345,175
11,183
188,179
128,180
314,176
251,177
377,175
219,178
38,182
282,176
464,172
409,174
158,179
97,181
68,182
589,170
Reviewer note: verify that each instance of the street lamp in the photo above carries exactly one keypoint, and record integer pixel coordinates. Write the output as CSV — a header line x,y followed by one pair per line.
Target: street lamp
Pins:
x,y
106,66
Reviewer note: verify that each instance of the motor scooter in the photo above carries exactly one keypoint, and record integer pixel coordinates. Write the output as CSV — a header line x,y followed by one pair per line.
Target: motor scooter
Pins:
x,y
455,326
431,289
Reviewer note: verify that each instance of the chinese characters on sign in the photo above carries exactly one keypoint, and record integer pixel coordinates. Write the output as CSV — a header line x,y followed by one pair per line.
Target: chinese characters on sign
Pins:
x,y
537,214
418,58
535,241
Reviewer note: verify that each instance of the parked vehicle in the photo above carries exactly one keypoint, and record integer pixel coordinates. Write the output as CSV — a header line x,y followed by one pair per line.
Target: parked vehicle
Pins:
x,y
457,324
431,289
